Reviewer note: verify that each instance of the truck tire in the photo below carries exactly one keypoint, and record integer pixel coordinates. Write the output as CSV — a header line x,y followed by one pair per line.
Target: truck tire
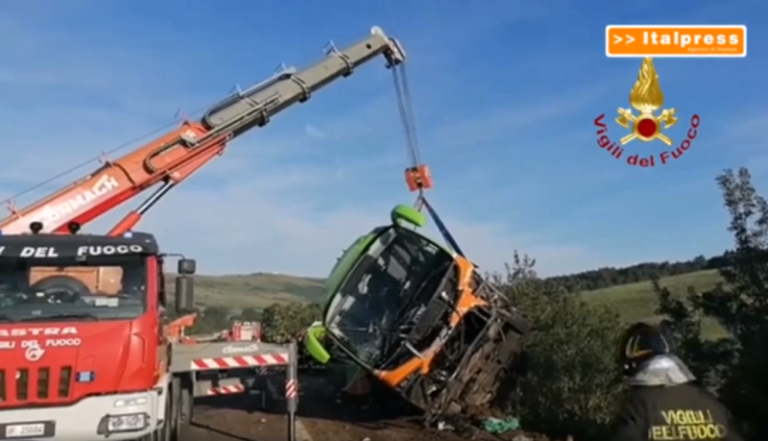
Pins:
x,y
165,434
180,409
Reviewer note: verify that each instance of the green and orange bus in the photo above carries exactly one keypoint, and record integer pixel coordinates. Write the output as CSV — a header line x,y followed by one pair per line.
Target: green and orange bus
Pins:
x,y
421,319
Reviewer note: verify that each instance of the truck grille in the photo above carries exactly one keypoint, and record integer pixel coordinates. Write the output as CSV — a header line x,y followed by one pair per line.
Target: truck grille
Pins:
x,y
43,383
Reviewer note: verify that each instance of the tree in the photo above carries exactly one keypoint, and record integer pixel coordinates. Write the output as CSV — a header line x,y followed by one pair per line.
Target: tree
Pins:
x,y
607,277
249,315
212,319
282,322
735,365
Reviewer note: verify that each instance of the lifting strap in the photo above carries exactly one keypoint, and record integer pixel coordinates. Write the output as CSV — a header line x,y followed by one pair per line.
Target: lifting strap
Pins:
x,y
440,225
417,176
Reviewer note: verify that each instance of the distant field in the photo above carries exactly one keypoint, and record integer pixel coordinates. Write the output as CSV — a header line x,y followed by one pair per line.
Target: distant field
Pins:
x,y
254,291
634,301
637,301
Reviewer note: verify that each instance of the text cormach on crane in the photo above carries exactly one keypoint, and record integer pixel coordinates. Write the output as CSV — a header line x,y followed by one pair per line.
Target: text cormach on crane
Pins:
x,y
86,353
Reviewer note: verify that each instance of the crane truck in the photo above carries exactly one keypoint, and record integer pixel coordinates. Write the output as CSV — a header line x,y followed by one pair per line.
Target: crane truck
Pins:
x,y
86,351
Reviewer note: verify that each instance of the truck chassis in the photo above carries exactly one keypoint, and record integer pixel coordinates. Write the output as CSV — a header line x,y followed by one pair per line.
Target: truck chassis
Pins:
x,y
195,370
212,369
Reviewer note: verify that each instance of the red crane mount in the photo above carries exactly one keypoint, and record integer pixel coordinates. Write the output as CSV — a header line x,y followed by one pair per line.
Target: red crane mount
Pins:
x,y
89,351
175,156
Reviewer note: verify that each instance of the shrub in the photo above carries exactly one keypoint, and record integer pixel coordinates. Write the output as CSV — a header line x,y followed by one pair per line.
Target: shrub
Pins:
x,y
282,322
574,383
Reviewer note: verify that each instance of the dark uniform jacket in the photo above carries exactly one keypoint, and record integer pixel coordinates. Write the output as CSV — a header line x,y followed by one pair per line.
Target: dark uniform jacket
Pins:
x,y
683,412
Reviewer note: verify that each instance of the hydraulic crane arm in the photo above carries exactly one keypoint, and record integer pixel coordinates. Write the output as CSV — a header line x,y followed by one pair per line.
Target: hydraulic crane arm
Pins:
x,y
175,156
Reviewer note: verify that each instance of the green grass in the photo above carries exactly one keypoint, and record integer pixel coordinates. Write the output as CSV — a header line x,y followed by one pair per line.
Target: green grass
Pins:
x,y
637,301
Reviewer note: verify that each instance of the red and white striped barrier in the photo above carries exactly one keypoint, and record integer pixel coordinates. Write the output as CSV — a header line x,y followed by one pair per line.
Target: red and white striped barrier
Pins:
x,y
277,359
224,390
291,389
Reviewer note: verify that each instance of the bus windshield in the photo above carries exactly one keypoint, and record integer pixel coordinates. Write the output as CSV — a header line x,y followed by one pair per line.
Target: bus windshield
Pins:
x,y
66,289
377,291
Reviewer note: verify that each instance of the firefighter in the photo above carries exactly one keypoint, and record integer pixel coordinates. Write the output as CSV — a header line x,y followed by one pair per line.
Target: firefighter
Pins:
x,y
664,403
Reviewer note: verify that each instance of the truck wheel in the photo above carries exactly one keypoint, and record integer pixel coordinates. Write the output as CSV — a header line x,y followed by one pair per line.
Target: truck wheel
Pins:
x,y
174,413
180,409
166,433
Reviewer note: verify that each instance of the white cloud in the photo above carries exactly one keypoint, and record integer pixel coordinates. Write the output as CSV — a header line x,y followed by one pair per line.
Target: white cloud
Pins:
x,y
314,132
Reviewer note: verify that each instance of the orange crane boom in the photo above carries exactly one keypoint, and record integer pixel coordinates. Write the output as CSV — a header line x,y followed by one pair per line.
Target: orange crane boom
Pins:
x,y
177,155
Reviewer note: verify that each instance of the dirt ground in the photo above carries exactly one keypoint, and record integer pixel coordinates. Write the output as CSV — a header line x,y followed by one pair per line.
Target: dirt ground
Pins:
x,y
324,418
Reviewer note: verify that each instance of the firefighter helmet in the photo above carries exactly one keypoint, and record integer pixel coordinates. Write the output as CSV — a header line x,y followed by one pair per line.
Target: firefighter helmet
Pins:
x,y
643,342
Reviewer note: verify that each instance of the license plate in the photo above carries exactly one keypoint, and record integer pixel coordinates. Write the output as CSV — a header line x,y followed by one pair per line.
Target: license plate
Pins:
x,y
24,430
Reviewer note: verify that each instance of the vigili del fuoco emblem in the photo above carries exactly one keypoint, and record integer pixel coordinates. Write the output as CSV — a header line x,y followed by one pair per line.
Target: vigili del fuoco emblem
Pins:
x,y
646,97
648,124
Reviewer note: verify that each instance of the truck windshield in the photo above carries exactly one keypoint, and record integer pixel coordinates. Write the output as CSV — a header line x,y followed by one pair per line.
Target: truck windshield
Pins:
x,y
368,305
48,289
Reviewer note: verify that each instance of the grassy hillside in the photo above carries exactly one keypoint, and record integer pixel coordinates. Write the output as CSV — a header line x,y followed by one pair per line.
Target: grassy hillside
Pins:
x,y
635,301
254,290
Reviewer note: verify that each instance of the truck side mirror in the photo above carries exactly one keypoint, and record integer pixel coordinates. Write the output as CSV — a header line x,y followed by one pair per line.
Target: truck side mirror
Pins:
x,y
185,292
187,266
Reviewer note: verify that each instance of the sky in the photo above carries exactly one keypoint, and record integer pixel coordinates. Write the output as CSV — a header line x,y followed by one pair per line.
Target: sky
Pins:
x,y
505,95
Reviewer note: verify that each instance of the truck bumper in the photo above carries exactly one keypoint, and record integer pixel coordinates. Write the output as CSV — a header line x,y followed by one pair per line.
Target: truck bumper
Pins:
x,y
113,417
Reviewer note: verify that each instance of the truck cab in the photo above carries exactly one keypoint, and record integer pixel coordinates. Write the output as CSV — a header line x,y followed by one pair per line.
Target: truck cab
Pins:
x,y
420,318
80,335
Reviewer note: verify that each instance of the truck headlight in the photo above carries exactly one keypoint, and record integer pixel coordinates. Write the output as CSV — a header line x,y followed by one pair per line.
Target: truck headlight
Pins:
x,y
126,423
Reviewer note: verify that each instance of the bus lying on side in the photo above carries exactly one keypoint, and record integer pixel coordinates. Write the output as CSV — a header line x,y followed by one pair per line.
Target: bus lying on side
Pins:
x,y
421,319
